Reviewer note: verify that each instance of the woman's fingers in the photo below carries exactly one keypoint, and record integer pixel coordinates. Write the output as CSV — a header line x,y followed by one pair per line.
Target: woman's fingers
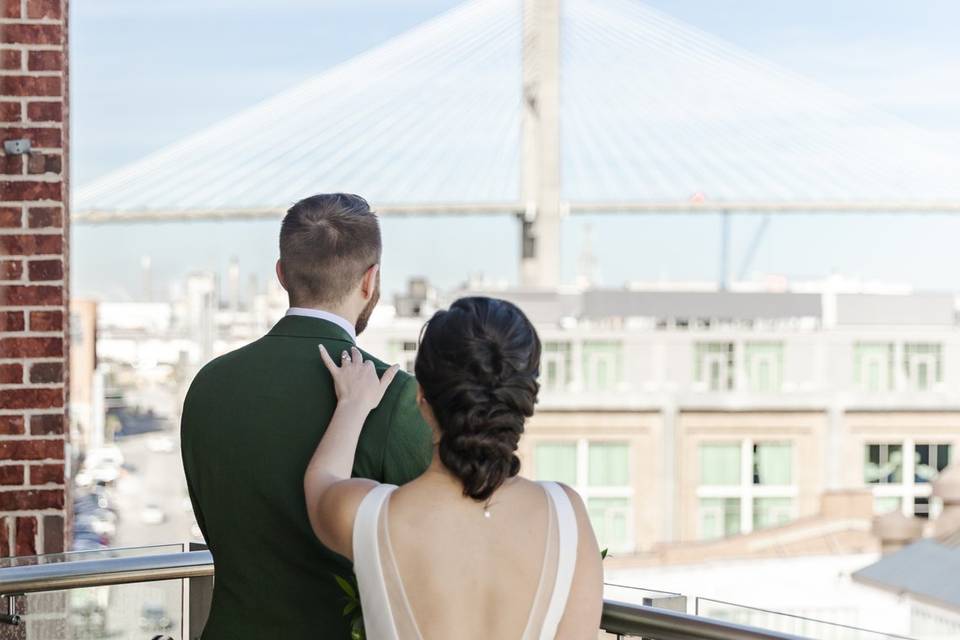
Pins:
x,y
388,377
328,361
353,360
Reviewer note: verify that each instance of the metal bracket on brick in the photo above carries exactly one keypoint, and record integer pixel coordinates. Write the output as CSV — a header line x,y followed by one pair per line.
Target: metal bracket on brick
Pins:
x,y
11,616
18,147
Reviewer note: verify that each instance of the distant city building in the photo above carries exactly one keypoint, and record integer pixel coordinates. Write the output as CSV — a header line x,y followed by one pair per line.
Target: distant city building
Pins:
x,y
86,409
679,414
692,415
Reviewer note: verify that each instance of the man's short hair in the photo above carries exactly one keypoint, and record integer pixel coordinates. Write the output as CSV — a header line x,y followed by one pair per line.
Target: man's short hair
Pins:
x,y
327,242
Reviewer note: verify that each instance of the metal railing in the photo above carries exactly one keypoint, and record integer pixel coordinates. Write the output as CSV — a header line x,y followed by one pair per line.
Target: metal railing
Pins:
x,y
622,619
196,567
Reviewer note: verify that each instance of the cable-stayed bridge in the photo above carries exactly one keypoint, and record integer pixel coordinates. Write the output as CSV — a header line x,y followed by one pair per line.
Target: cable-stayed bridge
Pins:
x,y
542,108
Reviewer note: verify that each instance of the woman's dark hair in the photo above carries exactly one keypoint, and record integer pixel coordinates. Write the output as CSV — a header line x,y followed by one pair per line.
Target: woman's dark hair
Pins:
x,y
478,364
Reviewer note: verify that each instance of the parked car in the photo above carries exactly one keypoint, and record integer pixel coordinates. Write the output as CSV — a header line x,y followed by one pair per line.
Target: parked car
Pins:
x,y
83,543
85,539
94,522
96,500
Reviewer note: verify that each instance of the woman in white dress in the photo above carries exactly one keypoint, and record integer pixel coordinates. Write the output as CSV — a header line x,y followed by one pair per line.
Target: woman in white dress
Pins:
x,y
470,549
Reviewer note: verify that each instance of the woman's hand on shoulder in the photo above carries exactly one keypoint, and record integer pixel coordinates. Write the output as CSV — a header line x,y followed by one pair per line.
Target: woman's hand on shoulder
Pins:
x,y
355,379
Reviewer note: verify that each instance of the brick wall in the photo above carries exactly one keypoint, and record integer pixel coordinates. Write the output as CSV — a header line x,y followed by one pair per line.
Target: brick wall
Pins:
x,y
33,277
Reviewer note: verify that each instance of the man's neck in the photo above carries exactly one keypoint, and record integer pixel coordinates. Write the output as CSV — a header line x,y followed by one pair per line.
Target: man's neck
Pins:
x,y
326,314
337,311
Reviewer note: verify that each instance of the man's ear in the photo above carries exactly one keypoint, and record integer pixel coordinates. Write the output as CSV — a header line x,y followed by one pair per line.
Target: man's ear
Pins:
x,y
283,282
368,284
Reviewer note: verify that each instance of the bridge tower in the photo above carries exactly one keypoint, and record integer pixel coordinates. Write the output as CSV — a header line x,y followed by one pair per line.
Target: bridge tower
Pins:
x,y
540,153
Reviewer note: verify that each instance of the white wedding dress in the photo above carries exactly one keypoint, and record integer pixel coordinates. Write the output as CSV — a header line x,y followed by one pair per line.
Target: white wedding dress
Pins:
x,y
386,611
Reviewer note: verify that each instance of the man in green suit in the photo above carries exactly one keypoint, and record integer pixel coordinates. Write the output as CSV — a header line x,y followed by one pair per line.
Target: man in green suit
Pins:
x,y
253,417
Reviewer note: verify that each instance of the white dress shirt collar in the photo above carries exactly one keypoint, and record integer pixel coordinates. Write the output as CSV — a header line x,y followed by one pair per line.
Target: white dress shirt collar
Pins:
x,y
325,315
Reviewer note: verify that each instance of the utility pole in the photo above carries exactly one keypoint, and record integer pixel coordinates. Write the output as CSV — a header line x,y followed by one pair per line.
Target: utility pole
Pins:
x,y
540,154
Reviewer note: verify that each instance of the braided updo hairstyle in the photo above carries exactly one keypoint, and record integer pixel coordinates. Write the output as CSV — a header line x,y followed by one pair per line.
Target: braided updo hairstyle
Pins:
x,y
478,364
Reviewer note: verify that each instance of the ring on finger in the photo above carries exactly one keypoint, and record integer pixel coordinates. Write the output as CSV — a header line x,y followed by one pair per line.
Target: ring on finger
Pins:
x,y
345,356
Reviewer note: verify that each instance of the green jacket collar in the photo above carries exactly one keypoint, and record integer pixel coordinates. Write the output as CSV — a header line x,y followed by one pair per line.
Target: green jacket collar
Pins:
x,y
307,327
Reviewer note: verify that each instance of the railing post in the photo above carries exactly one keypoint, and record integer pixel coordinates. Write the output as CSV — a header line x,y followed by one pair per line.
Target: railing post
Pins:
x,y
11,617
197,597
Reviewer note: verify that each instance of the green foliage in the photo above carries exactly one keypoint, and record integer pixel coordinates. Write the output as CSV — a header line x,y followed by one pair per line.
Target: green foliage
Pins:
x,y
346,587
352,608
356,629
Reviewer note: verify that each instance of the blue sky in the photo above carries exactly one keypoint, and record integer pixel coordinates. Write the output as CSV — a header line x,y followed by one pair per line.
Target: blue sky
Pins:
x,y
145,74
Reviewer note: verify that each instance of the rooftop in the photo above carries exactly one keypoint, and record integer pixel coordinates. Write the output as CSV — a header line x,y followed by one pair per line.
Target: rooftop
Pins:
x,y
927,569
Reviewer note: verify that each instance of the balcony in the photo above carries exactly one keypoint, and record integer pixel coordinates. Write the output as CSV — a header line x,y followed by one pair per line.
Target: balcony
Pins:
x,y
164,593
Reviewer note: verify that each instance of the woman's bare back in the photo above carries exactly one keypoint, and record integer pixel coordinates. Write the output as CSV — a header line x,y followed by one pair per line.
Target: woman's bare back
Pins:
x,y
469,575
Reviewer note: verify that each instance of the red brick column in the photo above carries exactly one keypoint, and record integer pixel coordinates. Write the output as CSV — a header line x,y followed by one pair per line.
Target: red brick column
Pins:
x,y
33,277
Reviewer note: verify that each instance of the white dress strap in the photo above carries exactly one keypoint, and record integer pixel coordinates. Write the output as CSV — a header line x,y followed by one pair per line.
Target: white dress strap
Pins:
x,y
368,566
566,558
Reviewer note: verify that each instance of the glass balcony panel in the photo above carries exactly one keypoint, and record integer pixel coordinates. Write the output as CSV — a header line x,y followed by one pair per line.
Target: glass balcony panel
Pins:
x,y
119,612
845,624
146,607
644,597
98,554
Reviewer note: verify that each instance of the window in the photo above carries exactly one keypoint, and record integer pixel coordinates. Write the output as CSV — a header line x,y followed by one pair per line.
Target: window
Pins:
x,y
764,364
608,464
903,481
713,365
556,461
772,463
886,505
556,369
600,472
405,354
745,486
610,518
602,364
720,464
884,464
873,366
929,460
922,365
719,517
771,512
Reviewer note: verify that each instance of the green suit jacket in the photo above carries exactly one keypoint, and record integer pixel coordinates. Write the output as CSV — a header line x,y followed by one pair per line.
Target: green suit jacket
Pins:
x,y
251,421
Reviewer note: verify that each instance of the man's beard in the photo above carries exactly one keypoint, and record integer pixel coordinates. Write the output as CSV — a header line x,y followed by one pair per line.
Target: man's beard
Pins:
x,y
364,316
